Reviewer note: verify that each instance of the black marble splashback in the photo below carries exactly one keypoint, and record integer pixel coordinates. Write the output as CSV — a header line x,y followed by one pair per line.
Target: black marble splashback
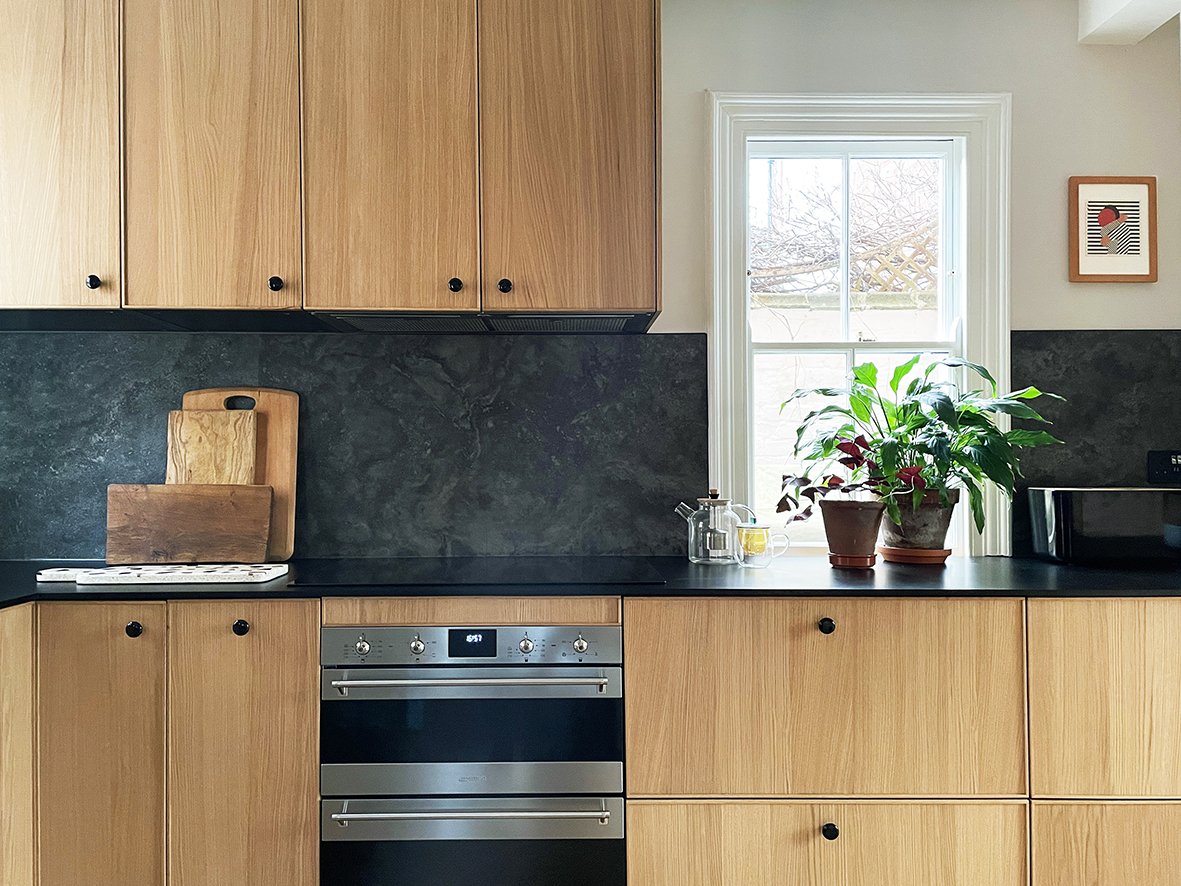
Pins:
x,y
1123,391
409,445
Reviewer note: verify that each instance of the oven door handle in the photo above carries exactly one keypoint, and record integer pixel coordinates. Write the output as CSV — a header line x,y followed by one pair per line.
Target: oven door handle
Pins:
x,y
602,816
343,686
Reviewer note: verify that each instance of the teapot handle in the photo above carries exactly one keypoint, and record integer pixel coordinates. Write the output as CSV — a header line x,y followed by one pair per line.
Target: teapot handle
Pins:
x,y
750,511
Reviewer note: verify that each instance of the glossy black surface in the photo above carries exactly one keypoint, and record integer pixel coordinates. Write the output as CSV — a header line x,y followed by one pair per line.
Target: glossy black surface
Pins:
x,y
475,863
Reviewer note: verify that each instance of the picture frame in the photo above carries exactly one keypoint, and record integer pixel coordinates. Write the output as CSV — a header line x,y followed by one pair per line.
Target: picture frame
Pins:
x,y
1113,235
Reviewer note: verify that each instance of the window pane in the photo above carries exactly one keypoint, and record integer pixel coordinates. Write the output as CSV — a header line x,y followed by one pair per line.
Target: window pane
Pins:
x,y
895,208
776,376
794,216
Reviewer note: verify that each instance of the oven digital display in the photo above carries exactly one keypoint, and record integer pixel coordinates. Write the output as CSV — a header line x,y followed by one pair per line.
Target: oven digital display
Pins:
x,y
471,643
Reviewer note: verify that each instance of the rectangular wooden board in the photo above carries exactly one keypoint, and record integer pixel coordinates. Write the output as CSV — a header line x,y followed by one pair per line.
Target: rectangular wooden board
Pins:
x,y
212,446
189,523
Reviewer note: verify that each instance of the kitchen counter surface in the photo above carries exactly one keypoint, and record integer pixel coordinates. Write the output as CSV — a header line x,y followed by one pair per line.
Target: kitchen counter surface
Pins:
x,y
628,577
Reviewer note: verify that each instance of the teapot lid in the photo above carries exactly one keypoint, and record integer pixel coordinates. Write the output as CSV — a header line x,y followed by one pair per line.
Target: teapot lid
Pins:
x,y
712,500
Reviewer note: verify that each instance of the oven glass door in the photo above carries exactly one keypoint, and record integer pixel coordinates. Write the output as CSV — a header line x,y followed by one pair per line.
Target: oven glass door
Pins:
x,y
474,730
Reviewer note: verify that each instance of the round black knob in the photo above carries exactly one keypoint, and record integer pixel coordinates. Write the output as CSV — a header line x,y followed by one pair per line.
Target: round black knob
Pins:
x,y
93,281
241,627
827,626
455,284
830,831
275,284
134,629
505,286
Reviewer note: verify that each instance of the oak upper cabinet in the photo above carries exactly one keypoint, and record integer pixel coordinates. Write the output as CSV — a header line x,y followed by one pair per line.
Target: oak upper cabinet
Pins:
x,y
568,146
243,731
391,201
212,156
1105,707
829,844
100,743
59,154
765,698
1106,844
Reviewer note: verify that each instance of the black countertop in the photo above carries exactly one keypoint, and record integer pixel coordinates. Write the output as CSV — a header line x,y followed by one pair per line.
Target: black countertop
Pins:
x,y
627,577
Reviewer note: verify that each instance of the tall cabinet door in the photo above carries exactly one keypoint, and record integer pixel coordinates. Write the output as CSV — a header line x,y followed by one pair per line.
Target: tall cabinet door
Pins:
x,y
212,105
59,152
390,155
568,148
100,741
18,741
243,727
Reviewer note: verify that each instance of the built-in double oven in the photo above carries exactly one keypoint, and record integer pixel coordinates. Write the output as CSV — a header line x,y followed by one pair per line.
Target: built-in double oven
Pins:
x,y
467,755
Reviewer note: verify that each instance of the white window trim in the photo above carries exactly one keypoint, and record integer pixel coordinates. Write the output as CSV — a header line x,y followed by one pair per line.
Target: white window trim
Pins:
x,y
984,124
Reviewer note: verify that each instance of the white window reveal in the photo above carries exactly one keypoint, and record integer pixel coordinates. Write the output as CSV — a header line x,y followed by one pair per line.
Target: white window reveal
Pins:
x,y
849,230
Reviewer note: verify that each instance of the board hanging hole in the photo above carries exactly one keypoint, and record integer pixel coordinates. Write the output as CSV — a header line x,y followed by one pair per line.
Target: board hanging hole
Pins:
x,y
240,403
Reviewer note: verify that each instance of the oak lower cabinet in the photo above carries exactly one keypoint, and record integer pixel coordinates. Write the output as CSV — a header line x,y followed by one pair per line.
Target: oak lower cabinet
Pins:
x,y
1106,844
825,698
736,843
1105,708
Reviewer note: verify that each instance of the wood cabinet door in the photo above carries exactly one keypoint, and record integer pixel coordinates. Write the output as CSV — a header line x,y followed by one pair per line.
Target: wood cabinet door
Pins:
x,y
1106,844
100,743
243,731
1105,707
18,743
568,151
391,201
750,698
212,120
707,843
59,152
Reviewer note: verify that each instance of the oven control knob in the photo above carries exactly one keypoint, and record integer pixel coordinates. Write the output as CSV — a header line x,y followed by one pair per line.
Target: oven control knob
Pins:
x,y
417,646
362,647
526,646
580,645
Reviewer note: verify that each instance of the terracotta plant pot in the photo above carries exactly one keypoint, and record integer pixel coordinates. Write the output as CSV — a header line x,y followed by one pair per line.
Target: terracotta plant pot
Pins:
x,y
922,536
852,530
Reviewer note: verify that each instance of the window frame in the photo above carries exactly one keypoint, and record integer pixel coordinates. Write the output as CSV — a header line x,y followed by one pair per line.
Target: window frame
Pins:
x,y
979,124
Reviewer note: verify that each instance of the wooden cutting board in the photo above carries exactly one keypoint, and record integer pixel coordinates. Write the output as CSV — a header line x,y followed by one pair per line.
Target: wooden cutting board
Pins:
x,y
212,446
187,523
277,414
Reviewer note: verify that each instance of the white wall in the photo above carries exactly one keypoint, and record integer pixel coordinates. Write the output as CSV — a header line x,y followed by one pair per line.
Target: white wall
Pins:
x,y
1077,110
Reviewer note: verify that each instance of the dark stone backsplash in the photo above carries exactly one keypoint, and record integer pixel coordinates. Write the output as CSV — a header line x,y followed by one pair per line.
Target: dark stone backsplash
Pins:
x,y
1123,392
409,445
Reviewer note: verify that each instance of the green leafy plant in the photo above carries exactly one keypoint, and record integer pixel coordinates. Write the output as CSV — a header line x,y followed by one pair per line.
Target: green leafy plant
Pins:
x,y
922,436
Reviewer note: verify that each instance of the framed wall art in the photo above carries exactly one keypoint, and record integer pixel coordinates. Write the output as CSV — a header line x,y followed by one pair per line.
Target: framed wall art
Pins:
x,y
1112,229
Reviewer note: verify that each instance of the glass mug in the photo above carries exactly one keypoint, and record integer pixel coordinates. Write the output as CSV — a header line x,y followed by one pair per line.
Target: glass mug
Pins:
x,y
758,546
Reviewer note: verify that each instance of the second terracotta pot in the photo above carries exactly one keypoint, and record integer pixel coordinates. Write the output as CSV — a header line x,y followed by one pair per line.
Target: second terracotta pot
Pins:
x,y
852,531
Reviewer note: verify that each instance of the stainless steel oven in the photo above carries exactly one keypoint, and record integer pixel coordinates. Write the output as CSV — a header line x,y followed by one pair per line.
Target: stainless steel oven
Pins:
x,y
468,755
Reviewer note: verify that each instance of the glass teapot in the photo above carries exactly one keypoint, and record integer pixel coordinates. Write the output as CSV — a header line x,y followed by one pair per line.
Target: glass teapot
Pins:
x,y
713,529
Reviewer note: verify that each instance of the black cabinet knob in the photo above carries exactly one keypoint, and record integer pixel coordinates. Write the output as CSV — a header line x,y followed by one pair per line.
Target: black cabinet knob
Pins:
x,y
505,285
241,627
93,281
830,831
455,284
827,626
275,284
134,629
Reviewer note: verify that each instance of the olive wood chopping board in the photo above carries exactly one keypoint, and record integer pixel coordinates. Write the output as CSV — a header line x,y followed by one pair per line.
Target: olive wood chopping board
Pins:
x,y
187,523
212,446
277,416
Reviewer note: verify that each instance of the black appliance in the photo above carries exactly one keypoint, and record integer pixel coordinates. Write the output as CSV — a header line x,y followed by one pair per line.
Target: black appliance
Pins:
x,y
1121,527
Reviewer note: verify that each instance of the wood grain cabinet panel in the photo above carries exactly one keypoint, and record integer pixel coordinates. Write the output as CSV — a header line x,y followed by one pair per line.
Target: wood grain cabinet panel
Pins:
x,y
212,159
59,153
489,611
243,729
1106,844
18,742
391,207
568,147
1105,702
767,844
749,698
100,743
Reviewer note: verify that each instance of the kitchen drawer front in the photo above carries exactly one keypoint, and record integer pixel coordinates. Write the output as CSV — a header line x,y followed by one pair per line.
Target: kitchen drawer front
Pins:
x,y
1106,844
1105,708
825,698
720,843
482,611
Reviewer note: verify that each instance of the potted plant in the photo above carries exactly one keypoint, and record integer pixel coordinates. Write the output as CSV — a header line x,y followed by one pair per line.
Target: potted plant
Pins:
x,y
913,449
